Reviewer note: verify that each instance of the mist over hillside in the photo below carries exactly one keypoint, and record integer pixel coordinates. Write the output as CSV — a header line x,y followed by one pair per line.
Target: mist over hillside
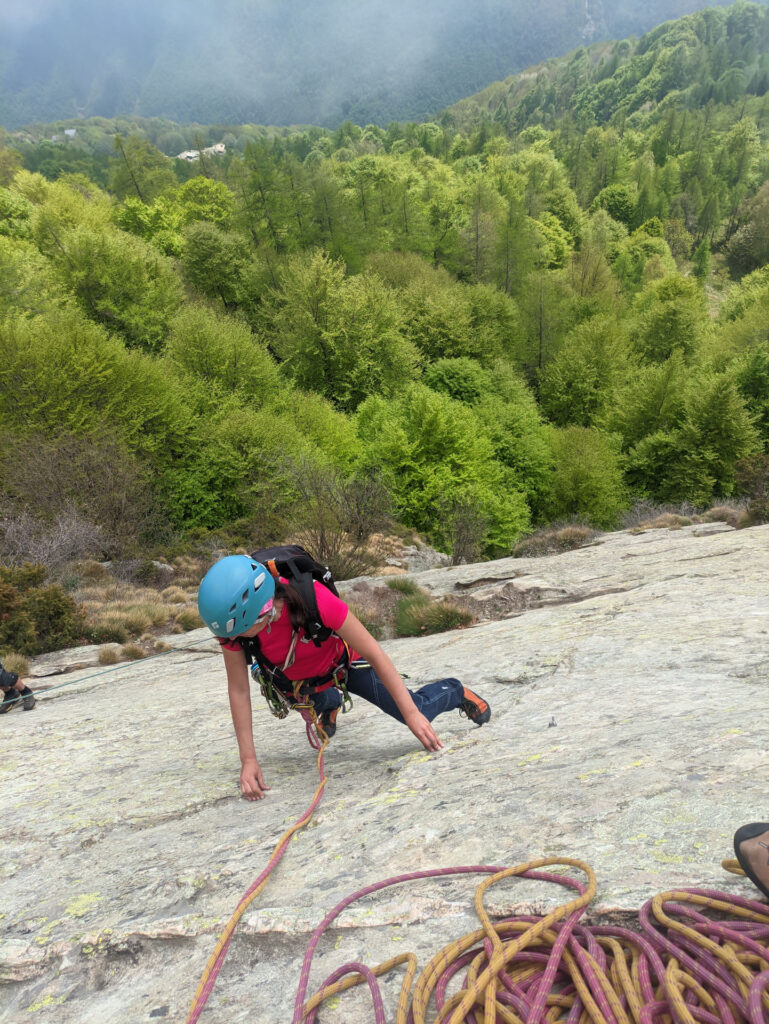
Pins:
x,y
268,62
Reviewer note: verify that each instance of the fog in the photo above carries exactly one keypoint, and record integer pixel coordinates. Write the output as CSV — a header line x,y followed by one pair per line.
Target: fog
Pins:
x,y
284,61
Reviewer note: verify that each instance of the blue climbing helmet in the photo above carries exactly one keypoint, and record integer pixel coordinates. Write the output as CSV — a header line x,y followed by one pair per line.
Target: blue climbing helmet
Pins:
x,y
232,594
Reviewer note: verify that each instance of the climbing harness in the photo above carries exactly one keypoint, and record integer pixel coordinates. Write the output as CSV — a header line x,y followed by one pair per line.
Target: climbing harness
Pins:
x,y
284,695
698,956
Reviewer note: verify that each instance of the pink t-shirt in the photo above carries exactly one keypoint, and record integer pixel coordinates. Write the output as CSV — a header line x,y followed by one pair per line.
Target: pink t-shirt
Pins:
x,y
309,660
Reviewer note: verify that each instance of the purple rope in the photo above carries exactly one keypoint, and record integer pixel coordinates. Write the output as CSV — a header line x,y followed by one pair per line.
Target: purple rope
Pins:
x,y
757,988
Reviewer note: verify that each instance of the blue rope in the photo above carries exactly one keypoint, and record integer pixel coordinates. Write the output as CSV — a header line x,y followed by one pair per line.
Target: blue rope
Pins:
x,y
114,668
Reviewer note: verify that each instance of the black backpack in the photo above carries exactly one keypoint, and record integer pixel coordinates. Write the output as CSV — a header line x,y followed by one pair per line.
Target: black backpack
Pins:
x,y
301,570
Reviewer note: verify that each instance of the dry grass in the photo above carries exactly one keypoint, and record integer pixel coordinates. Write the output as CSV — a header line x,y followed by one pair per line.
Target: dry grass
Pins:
x,y
108,656
190,571
403,609
117,611
375,607
16,663
92,571
176,595
667,521
132,652
734,517
646,516
189,618
554,539
420,615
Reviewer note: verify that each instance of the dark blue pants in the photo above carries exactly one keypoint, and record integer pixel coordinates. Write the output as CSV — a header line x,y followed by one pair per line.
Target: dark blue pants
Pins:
x,y
362,681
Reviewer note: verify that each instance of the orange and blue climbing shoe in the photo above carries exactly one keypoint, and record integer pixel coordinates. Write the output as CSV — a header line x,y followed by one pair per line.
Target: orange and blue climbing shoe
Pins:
x,y
475,707
328,721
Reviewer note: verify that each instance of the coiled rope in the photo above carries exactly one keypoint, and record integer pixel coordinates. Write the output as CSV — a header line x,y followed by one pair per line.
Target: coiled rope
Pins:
x,y
682,966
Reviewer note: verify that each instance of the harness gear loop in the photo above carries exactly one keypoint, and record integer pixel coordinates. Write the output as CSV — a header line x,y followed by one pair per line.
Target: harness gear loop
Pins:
x,y
276,701
284,695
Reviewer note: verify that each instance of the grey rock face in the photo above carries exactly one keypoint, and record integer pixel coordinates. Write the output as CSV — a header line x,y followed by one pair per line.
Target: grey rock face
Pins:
x,y
628,683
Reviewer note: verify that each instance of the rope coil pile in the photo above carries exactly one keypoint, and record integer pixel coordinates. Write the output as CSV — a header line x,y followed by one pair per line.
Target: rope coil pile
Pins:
x,y
699,956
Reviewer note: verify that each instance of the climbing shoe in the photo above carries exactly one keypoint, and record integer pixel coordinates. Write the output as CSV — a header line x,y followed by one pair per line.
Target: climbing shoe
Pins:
x,y
328,721
475,707
10,699
27,699
751,847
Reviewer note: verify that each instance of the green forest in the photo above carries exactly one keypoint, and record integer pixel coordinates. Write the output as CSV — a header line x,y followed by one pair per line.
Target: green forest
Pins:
x,y
545,306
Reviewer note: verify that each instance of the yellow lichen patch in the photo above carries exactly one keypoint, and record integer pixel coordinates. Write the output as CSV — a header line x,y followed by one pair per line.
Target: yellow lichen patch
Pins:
x,y
595,771
418,758
80,906
530,760
44,935
392,796
45,1003
669,858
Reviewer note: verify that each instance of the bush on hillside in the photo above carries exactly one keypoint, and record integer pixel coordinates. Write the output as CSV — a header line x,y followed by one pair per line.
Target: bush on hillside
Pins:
x,y
552,540
73,495
752,478
36,618
419,615
336,518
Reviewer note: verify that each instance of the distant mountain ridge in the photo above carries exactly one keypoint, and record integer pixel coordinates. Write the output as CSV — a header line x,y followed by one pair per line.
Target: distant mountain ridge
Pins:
x,y
264,62
712,56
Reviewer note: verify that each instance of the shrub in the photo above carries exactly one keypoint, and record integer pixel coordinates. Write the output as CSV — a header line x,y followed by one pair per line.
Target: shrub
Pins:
x,y
153,574
752,478
58,620
92,571
132,652
108,656
136,621
404,585
444,615
106,632
419,615
645,511
363,615
30,574
587,480
36,618
336,517
554,539
17,630
667,521
189,618
87,495
52,543
464,526
734,517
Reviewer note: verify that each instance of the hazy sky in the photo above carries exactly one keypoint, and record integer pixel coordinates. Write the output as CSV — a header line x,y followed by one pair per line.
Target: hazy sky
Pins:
x,y
283,61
